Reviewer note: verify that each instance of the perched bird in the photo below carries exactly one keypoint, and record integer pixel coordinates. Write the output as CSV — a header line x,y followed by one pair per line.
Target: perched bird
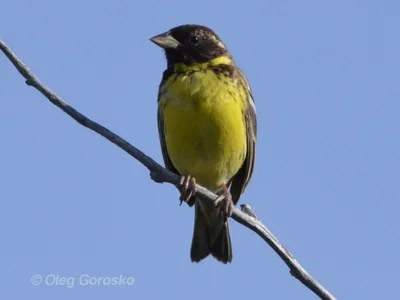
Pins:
x,y
207,128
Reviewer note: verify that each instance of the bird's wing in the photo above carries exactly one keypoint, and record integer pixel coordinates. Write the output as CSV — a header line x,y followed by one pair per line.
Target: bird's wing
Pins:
x,y
242,177
161,129
161,132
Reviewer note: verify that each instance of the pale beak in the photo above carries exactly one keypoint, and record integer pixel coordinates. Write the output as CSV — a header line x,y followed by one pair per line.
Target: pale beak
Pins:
x,y
165,41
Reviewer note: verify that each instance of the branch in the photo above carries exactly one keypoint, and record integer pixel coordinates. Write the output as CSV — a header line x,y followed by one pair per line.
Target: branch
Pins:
x,y
160,174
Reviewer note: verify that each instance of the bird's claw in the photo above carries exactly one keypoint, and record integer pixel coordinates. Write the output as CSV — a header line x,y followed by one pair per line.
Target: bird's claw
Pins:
x,y
224,204
187,187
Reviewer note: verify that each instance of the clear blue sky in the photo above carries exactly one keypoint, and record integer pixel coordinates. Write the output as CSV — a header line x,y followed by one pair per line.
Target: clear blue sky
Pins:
x,y
326,79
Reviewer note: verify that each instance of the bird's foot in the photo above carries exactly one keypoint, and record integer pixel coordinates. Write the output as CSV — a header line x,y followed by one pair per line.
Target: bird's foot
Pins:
x,y
187,187
224,203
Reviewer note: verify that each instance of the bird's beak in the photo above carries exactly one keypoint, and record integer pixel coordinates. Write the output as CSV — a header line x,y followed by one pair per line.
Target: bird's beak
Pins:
x,y
165,41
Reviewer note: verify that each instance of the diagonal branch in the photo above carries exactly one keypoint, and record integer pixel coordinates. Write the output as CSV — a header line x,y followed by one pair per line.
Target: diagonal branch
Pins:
x,y
160,174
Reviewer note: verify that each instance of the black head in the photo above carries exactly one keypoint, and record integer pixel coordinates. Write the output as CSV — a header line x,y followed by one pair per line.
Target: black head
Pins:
x,y
190,44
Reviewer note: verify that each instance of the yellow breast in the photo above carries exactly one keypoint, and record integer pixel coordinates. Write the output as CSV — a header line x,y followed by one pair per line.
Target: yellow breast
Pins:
x,y
204,126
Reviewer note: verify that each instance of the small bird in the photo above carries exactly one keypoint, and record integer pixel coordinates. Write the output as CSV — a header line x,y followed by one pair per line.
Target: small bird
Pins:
x,y
207,128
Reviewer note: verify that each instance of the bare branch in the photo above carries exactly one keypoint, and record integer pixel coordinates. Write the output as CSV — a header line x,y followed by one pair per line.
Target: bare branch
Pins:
x,y
160,174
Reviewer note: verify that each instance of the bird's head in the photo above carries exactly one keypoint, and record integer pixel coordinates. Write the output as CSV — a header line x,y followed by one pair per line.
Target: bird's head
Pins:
x,y
190,44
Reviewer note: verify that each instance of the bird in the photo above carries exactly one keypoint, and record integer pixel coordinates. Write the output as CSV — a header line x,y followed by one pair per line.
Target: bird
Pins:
x,y
207,128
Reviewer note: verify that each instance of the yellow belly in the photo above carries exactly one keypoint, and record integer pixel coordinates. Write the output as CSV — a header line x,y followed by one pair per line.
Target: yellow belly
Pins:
x,y
204,127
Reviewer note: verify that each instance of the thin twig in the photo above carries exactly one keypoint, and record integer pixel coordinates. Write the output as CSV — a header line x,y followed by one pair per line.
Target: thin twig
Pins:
x,y
160,174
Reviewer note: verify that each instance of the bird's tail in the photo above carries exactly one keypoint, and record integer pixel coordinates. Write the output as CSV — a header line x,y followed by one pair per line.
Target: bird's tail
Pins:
x,y
214,240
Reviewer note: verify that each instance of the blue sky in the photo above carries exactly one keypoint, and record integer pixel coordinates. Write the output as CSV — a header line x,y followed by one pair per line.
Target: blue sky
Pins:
x,y
325,76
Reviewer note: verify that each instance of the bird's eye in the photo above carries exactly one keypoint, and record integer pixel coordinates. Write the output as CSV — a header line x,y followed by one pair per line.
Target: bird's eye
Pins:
x,y
194,39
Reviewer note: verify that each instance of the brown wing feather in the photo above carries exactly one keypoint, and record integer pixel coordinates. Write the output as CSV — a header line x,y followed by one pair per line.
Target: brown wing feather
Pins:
x,y
161,130
242,177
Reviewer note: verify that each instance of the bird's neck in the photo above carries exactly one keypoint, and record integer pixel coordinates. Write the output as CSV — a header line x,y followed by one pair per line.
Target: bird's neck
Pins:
x,y
221,60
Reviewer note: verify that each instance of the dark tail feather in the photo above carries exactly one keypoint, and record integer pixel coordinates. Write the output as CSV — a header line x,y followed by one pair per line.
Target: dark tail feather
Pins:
x,y
221,249
200,242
